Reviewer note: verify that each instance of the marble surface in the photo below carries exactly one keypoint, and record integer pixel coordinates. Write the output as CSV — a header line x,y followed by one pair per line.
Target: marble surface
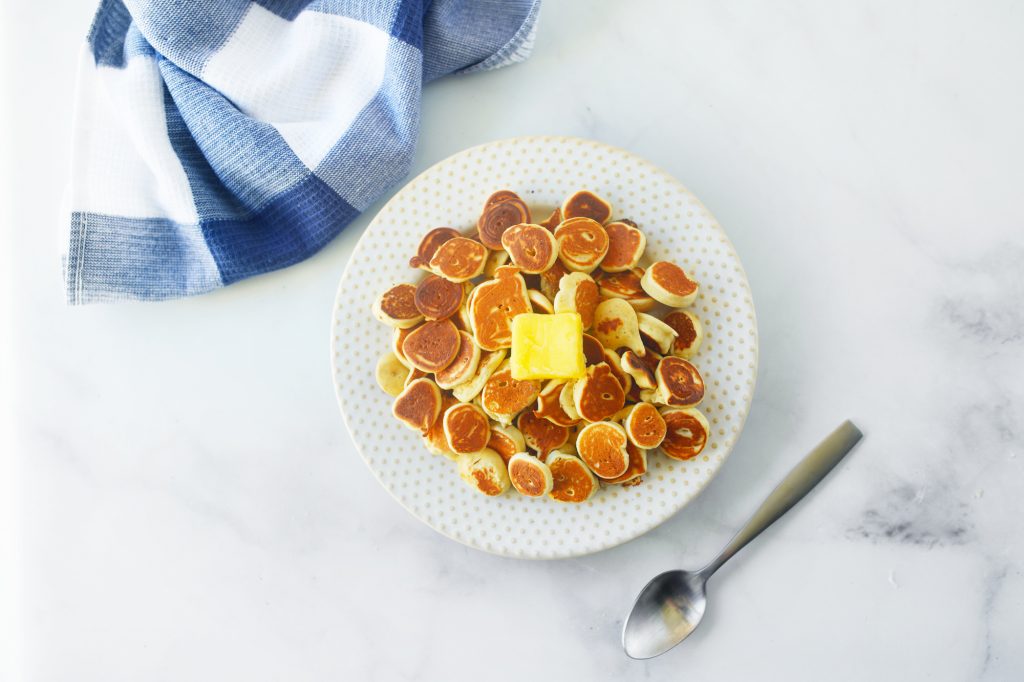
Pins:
x,y
185,502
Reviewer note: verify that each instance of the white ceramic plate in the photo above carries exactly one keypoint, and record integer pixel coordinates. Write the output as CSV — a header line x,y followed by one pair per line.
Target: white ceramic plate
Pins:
x,y
543,170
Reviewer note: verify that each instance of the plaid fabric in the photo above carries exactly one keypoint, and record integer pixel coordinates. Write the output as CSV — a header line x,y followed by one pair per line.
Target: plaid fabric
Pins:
x,y
216,140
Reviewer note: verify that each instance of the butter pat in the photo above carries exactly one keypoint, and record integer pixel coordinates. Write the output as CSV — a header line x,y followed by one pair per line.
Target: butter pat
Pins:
x,y
547,346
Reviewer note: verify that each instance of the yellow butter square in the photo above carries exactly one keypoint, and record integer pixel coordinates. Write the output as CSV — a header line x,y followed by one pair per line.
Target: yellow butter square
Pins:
x,y
547,346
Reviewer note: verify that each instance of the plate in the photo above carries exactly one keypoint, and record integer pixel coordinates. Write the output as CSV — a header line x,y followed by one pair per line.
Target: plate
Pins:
x,y
543,170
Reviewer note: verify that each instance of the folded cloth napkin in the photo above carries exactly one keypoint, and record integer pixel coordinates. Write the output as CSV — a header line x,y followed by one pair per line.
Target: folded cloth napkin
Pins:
x,y
216,140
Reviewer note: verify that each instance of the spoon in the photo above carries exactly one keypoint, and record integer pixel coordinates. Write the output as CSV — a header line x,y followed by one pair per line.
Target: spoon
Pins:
x,y
671,606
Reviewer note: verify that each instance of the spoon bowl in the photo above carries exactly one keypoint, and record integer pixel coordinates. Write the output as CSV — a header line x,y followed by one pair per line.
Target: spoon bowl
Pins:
x,y
667,610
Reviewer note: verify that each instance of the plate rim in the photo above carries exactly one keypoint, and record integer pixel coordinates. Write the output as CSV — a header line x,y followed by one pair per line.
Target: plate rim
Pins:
x,y
744,414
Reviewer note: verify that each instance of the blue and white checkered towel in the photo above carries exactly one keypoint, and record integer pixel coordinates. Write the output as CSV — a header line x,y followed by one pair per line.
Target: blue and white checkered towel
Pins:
x,y
219,139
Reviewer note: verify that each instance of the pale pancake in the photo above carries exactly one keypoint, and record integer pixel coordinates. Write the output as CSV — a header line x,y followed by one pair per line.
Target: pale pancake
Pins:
x,y
485,472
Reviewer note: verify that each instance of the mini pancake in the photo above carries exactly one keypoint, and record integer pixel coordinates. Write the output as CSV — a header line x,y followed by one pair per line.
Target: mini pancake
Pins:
x,y
586,205
418,405
593,351
577,293
636,367
598,395
461,317
625,285
540,302
667,283
414,374
495,259
689,333
614,362
582,244
532,248
637,465
489,363
459,259
540,434
549,404
553,220
485,472
616,326
504,397
432,346
655,333
495,302
466,428
679,383
550,279
573,481
626,245
506,441
501,211
567,402
644,426
602,446
438,298
434,439
429,245
396,345
529,475
391,374
687,432
462,368
396,307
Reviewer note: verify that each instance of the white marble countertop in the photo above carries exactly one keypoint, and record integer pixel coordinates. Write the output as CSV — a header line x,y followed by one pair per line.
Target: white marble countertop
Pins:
x,y
191,507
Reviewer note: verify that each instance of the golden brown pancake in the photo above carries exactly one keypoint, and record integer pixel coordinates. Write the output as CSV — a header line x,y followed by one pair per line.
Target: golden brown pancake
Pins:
x,y
625,285
550,279
573,481
553,220
466,428
644,426
501,211
577,293
689,333
529,475
599,394
485,472
532,248
614,363
463,366
438,298
586,205
655,334
602,446
540,302
667,283
434,439
616,326
506,441
504,397
626,245
429,245
396,345
459,259
397,307
432,346
582,244
679,382
637,466
495,302
418,405
636,367
540,434
687,432
593,351
549,404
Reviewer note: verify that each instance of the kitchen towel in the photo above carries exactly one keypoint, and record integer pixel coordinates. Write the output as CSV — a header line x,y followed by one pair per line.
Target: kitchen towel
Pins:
x,y
214,141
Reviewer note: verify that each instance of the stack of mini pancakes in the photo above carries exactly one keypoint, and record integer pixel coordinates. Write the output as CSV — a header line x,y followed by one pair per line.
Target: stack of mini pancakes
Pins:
x,y
451,380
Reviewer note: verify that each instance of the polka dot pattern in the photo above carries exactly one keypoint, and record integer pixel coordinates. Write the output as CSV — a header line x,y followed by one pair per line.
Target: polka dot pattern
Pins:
x,y
543,170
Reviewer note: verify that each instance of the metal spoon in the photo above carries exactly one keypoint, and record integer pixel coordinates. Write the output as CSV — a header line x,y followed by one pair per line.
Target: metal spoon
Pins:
x,y
670,607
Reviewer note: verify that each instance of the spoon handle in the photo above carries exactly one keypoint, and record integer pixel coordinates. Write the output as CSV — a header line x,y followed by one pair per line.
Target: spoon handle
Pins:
x,y
798,482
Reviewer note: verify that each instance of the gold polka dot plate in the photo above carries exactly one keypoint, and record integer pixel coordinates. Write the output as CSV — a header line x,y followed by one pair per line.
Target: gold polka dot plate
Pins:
x,y
544,171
